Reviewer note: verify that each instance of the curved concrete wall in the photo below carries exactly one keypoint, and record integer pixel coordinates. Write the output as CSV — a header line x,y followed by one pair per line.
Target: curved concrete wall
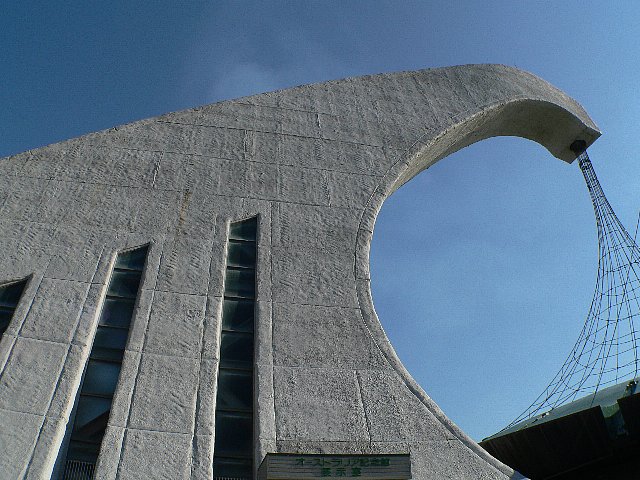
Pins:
x,y
315,164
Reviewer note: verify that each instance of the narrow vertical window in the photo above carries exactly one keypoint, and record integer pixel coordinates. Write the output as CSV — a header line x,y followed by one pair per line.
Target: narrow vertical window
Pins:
x,y
103,368
10,294
233,453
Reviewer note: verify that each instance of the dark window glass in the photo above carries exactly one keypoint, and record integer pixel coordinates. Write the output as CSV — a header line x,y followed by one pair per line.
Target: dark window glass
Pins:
x,y
10,294
235,390
240,283
234,434
103,369
86,456
117,312
91,418
233,451
132,260
232,468
236,350
5,318
124,284
113,355
243,230
237,315
107,337
101,378
241,254
109,344
9,297
81,452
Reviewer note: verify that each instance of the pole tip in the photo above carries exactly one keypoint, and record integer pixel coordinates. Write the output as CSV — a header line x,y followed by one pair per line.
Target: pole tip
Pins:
x,y
578,146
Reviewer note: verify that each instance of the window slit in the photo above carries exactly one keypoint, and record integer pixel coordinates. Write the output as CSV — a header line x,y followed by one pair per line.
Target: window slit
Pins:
x,y
233,451
103,368
10,294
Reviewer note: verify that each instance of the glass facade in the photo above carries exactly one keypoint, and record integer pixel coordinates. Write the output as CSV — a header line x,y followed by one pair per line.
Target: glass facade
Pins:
x,y
10,294
233,453
103,368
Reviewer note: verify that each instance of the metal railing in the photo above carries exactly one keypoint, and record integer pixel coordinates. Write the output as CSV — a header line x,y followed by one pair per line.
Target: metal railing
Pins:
x,y
76,470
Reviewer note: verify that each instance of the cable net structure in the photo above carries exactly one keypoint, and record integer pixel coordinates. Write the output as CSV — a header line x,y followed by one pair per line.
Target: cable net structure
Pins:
x,y
606,352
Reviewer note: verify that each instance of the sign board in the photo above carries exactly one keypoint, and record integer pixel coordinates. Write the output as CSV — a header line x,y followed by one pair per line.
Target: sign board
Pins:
x,y
287,466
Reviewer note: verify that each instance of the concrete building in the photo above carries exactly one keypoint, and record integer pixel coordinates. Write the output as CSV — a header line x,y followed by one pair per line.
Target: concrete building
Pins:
x,y
193,290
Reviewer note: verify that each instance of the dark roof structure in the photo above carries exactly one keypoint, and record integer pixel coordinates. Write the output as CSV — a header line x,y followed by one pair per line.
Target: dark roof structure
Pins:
x,y
596,437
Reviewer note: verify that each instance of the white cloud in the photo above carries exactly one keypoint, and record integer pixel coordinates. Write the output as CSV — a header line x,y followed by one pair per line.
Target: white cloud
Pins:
x,y
243,79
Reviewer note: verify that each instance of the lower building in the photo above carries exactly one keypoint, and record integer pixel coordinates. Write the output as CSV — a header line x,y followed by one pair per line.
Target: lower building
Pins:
x,y
595,437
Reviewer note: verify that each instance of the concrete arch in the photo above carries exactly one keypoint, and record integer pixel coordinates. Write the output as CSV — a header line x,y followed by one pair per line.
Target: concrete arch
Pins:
x,y
315,163
553,125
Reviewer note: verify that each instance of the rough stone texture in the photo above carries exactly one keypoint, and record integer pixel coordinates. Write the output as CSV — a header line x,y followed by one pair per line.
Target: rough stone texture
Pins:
x,y
55,311
347,342
165,394
18,437
314,163
327,404
175,325
154,454
30,376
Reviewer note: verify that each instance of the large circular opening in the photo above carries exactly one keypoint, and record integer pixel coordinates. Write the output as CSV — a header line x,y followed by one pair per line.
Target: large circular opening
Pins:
x,y
482,270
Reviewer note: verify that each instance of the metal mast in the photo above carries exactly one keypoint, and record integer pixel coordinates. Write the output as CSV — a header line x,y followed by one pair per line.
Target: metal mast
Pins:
x,y
606,352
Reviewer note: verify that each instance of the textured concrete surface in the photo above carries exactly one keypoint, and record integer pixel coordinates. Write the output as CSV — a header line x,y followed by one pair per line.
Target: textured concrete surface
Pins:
x,y
314,163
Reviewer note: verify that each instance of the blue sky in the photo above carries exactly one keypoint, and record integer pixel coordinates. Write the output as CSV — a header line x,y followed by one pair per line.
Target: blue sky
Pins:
x,y
483,267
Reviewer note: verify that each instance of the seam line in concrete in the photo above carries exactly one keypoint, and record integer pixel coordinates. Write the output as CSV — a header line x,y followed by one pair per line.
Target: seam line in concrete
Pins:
x,y
284,134
147,320
59,376
212,157
364,408
15,410
198,400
